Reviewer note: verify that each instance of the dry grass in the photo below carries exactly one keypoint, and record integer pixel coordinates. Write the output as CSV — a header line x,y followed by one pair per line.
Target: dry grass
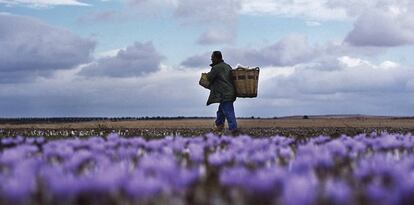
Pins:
x,y
243,123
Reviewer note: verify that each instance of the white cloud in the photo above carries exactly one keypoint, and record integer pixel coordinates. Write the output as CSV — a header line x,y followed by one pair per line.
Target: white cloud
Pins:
x,y
397,15
307,9
353,76
337,78
109,53
32,48
379,23
312,23
166,92
352,62
376,28
296,77
357,86
134,60
217,35
200,60
355,8
217,18
211,12
101,17
389,65
150,8
44,3
290,50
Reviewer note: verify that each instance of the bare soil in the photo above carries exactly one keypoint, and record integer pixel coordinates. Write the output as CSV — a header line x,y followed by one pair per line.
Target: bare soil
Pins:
x,y
295,127
243,123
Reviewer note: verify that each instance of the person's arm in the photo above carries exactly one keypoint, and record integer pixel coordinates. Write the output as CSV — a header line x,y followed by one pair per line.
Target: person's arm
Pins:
x,y
212,74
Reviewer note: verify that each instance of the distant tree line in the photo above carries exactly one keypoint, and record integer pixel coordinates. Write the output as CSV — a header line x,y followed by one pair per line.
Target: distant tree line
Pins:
x,y
89,119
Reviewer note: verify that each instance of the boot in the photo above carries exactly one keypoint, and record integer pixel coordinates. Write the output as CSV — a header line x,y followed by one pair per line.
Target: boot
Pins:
x,y
218,129
235,132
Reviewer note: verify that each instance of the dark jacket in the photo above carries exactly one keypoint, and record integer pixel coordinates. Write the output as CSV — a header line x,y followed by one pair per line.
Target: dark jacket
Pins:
x,y
221,84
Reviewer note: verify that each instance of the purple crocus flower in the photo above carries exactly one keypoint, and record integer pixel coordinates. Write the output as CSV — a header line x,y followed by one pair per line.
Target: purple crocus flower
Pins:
x,y
235,176
156,163
320,139
220,158
93,140
30,140
137,141
20,152
40,140
281,140
389,142
105,180
182,178
140,186
155,145
336,147
7,141
378,194
59,150
78,160
266,182
18,139
302,164
17,189
113,137
286,153
126,153
299,189
380,165
178,145
61,185
338,192
196,152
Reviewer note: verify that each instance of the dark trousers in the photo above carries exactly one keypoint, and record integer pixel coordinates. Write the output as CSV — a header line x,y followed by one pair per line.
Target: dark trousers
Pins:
x,y
226,111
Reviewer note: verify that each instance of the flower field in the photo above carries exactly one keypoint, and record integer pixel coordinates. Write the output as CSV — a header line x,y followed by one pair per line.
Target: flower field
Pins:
x,y
377,168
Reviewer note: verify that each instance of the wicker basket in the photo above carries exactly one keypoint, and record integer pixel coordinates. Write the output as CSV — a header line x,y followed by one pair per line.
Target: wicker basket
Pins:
x,y
246,81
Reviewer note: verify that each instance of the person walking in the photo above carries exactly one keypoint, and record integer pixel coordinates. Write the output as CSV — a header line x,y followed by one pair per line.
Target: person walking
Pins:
x,y
222,91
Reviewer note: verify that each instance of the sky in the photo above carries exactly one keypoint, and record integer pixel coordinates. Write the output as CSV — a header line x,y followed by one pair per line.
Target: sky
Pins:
x,y
113,58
